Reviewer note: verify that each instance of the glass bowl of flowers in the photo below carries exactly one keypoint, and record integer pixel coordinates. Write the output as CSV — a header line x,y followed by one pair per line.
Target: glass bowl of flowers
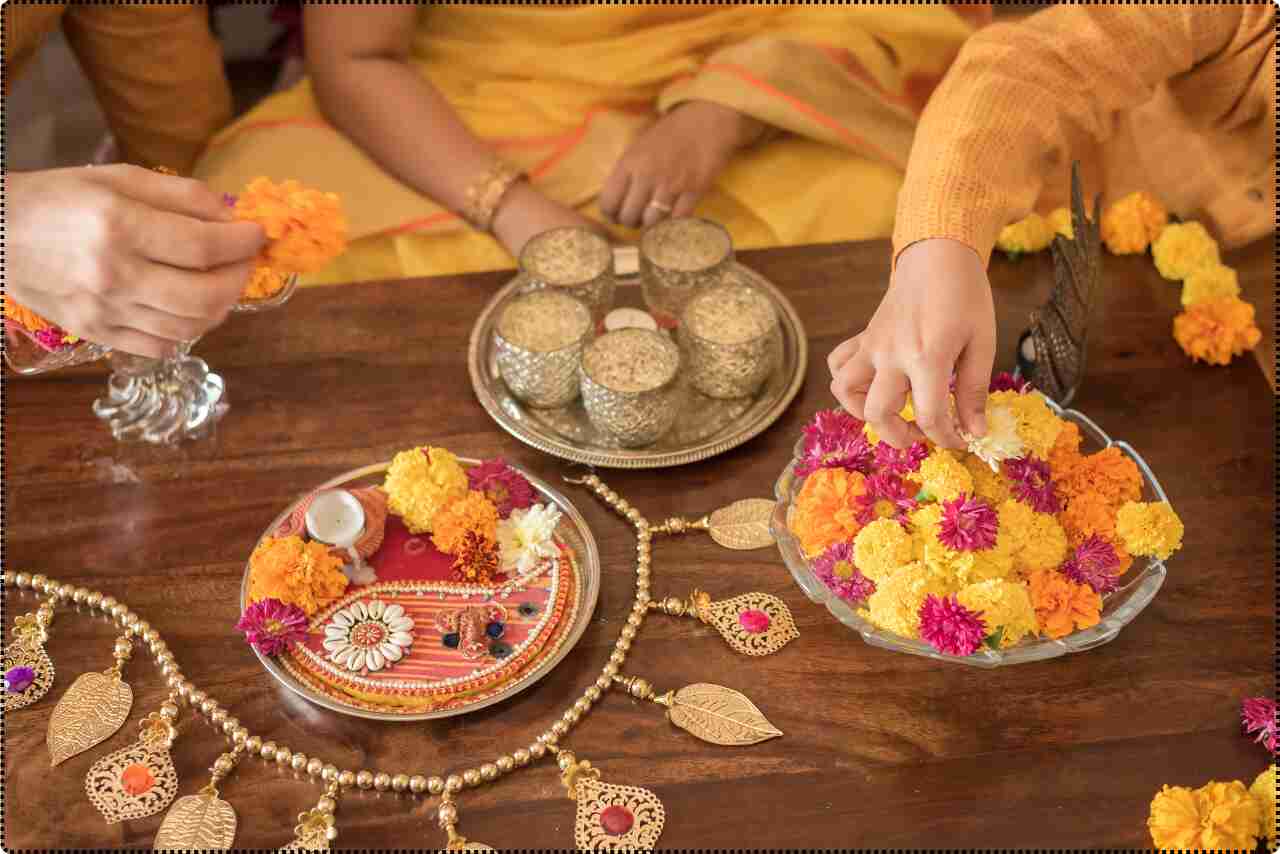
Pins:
x,y
1043,538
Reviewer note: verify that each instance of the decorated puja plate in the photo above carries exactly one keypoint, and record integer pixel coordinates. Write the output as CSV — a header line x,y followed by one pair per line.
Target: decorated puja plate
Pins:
x,y
703,426
1095,556
425,587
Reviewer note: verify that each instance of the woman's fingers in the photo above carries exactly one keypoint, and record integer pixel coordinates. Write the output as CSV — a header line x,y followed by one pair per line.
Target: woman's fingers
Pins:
x,y
614,193
189,243
931,400
686,203
203,297
128,340
185,196
845,351
639,192
851,383
973,373
885,400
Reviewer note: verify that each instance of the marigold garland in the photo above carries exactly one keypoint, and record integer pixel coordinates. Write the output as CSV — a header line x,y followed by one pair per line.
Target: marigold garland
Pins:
x,y
1030,234
1129,224
1182,248
1217,816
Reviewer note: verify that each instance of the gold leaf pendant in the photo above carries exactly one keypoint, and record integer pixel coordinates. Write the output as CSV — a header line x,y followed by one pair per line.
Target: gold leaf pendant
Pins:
x,y
27,668
202,822
93,709
753,623
713,713
610,817
316,828
742,525
139,780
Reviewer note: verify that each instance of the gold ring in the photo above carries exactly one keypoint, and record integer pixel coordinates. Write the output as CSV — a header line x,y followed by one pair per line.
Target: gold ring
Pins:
x,y
659,206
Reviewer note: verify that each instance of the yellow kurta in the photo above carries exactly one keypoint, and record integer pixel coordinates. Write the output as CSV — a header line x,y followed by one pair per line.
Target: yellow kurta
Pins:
x,y
845,84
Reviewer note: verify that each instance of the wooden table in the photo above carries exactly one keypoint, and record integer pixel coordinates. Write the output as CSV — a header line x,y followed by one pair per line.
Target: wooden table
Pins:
x,y
880,749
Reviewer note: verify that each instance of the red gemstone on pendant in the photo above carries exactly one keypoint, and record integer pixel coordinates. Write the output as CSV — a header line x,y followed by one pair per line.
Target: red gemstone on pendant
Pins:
x,y
137,779
753,621
616,820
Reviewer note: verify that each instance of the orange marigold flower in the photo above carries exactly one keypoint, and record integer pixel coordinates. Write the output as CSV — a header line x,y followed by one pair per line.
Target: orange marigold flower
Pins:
x,y
297,572
23,316
1182,248
826,510
1086,514
1062,606
305,228
1110,473
1065,453
474,513
1130,224
1216,330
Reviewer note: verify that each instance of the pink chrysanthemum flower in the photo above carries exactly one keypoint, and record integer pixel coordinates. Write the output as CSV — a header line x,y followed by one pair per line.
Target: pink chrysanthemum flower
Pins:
x,y
968,525
270,626
834,439
890,460
1258,714
950,627
503,485
836,569
1094,563
52,339
1005,381
887,496
1032,484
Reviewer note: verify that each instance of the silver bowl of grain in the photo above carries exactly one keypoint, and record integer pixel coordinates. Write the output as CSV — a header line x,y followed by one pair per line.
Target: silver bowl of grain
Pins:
x,y
576,261
678,257
729,338
539,340
629,385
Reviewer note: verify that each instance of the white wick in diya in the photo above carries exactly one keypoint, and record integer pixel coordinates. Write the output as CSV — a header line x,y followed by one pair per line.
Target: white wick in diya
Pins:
x,y
336,518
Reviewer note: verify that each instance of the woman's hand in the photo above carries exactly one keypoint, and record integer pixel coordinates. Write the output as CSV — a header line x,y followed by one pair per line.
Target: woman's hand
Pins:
x,y
936,320
126,257
675,162
524,213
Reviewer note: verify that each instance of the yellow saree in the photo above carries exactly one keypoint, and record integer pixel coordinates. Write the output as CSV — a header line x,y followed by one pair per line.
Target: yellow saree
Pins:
x,y
561,91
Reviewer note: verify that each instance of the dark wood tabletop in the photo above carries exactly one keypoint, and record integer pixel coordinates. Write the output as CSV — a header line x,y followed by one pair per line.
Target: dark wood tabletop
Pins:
x,y
881,749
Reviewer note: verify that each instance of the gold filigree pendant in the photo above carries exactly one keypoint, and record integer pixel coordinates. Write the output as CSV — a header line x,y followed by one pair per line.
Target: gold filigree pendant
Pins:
x,y
27,668
753,624
610,817
203,821
92,710
139,780
713,713
316,828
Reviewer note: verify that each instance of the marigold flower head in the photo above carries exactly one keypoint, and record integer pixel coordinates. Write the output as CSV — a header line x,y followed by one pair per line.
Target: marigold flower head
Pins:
x,y
1217,330
1001,441
420,482
826,509
1031,234
968,524
1095,563
1151,529
1059,219
1263,791
1212,281
950,627
1038,427
504,486
992,487
23,316
1036,540
895,605
1062,606
1258,715
1182,248
1109,473
1065,453
1217,816
1032,484
944,477
296,572
1129,224
988,565
881,548
305,228
478,559
474,513
834,439
1005,607
838,570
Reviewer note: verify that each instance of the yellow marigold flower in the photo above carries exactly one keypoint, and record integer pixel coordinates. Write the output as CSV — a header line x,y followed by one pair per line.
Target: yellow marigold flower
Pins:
x,y
1026,235
473,513
994,564
944,477
1212,281
1182,248
1038,427
1044,545
1062,606
1264,792
988,485
420,483
1217,816
1216,330
1130,224
1060,221
1005,606
305,228
1151,529
297,572
895,606
881,548
826,510
924,528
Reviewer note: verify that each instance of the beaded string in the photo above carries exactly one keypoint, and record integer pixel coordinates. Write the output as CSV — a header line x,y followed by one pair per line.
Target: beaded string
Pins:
x,y
329,773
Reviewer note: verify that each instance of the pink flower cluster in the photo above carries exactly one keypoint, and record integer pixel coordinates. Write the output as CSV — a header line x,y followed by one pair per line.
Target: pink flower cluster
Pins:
x,y
949,627
1032,484
836,569
1258,715
1094,563
834,439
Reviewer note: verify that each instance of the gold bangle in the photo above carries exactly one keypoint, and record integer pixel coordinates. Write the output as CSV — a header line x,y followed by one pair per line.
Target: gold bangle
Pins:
x,y
486,193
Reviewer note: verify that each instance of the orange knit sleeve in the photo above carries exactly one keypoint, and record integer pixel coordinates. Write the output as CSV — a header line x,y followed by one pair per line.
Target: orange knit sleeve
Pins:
x,y
1019,93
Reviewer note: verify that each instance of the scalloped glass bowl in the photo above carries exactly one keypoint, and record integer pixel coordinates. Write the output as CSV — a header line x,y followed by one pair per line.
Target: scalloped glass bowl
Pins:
x,y
1138,586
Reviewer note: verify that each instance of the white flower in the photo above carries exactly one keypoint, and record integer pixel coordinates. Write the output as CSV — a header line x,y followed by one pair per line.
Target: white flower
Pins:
x,y
1001,442
368,636
526,538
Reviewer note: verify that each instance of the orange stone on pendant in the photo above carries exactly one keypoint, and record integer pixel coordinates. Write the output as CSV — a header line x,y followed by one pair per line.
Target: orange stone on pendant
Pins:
x,y
137,779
